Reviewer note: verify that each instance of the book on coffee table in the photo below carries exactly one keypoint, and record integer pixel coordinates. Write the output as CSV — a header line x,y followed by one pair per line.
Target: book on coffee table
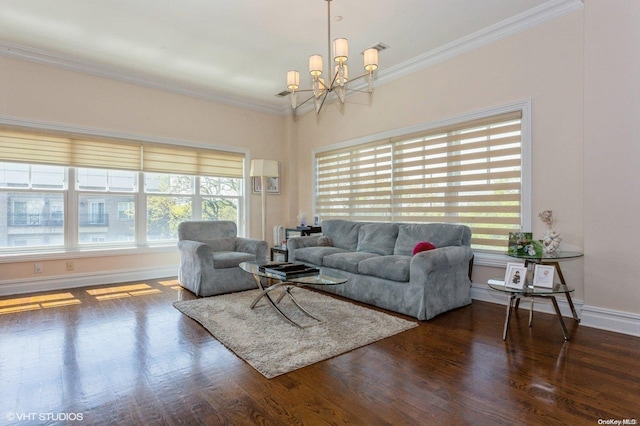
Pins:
x,y
288,270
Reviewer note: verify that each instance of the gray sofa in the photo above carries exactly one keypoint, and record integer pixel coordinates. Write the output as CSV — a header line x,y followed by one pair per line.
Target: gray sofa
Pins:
x,y
382,270
210,252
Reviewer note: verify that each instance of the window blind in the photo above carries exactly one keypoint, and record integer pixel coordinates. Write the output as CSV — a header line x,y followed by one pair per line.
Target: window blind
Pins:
x,y
468,173
33,147
190,161
355,183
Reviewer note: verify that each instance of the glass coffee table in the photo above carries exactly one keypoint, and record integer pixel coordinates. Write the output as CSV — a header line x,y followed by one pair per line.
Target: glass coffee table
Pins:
x,y
533,292
268,282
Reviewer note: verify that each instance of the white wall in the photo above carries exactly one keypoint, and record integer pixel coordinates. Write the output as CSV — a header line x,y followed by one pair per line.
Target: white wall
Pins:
x,y
612,155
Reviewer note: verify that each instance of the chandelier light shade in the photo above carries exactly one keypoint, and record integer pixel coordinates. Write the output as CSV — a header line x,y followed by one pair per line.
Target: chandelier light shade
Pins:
x,y
337,76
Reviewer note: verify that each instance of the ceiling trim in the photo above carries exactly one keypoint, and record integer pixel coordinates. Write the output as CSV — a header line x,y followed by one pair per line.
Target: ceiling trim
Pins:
x,y
534,17
74,64
546,12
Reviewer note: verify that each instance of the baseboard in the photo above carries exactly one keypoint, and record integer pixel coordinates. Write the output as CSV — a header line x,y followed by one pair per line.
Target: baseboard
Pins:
x,y
590,316
611,320
11,287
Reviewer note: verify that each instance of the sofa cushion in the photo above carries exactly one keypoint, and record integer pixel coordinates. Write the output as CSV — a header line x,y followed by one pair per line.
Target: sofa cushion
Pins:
x,y
392,267
347,261
439,234
231,259
343,233
379,238
314,255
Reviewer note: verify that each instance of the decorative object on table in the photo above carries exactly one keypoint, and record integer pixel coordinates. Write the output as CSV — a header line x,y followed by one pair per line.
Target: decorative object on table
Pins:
x,y
543,276
551,239
515,276
264,169
523,243
316,220
274,347
302,219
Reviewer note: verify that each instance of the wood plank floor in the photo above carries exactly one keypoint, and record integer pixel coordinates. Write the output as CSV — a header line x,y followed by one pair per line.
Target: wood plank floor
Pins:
x,y
121,354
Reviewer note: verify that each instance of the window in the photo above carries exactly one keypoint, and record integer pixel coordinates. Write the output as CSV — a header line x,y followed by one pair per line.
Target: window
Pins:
x,y
467,172
123,193
32,206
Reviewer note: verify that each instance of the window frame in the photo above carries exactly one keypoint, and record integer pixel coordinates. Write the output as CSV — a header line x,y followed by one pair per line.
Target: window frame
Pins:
x,y
70,194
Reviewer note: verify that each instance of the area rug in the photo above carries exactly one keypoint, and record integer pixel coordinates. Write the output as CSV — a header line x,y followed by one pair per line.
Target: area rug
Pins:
x,y
273,346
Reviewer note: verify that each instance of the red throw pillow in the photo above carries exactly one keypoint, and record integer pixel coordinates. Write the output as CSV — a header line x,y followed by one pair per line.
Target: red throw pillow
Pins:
x,y
423,246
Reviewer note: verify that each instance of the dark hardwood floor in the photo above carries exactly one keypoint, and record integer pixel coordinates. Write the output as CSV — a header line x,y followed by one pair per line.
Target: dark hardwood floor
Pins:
x,y
122,354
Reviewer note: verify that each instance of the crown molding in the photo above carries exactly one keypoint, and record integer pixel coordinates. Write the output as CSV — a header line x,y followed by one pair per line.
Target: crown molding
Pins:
x,y
544,13
16,51
534,17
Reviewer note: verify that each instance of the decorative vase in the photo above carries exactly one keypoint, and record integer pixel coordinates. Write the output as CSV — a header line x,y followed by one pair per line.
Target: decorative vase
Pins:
x,y
551,241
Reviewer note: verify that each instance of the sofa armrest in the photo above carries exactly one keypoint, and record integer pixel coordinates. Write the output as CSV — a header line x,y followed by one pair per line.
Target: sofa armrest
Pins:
x,y
256,247
444,273
195,256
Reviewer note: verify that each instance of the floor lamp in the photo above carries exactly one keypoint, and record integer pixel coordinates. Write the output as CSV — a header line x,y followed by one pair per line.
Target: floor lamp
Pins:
x,y
264,169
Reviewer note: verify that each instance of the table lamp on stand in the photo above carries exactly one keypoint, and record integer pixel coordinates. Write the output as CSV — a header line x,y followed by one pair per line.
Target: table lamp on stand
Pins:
x,y
264,169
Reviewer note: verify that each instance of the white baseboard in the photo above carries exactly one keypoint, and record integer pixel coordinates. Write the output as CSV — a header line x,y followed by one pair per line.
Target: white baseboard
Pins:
x,y
610,320
590,316
11,287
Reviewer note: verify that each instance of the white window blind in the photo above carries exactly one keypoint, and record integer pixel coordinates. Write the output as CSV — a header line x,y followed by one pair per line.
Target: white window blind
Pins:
x,y
53,148
355,183
469,173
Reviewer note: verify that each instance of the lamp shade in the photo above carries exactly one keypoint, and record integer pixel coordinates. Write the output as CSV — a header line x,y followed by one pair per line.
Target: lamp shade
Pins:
x,y
370,59
315,65
293,80
267,168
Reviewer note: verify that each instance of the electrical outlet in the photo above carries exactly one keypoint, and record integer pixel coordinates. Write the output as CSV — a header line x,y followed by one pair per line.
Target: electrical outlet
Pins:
x,y
69,265
37,268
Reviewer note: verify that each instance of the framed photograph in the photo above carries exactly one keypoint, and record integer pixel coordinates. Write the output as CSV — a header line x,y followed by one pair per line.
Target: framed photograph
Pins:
x,y
515,276
273,185
543,276
316,220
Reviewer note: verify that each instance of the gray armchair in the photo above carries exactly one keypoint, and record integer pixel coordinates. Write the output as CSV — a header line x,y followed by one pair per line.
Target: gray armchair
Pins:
x,y
210,252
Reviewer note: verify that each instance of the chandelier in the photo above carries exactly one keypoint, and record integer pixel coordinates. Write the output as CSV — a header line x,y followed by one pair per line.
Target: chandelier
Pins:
x,y
338,79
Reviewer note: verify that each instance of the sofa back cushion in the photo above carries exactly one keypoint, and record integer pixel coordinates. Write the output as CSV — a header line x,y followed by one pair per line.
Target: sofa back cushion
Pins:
x,y
343,233
438,234
379,238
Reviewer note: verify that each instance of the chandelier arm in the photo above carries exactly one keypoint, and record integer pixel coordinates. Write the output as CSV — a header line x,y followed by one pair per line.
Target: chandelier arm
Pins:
x,y
324,98
306,100
366,74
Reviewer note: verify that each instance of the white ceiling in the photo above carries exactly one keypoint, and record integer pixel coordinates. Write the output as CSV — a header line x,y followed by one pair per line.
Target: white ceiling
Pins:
x,y
238,51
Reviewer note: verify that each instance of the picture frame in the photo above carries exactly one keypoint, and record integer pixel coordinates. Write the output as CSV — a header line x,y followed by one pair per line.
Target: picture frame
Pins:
x,y
316,220
515,276
273,185
543,276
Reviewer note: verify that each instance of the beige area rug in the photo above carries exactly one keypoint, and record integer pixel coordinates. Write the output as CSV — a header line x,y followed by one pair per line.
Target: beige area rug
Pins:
x,y
273,346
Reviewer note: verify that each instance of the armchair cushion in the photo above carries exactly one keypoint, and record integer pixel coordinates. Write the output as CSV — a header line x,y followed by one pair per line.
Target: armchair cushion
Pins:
x,y
231,259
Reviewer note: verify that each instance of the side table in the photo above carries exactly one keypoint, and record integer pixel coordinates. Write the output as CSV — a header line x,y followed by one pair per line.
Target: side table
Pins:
x,y
280,250
533,292
540,292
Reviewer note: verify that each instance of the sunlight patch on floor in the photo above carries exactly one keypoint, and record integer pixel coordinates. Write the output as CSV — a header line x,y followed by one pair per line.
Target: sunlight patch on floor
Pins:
x,y
30,303
122,291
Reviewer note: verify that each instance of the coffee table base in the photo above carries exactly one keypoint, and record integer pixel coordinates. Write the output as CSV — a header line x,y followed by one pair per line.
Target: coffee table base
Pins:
x,y
288,286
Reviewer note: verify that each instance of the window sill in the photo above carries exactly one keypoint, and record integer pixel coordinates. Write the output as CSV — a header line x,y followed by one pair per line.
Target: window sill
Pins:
x,y
85,253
